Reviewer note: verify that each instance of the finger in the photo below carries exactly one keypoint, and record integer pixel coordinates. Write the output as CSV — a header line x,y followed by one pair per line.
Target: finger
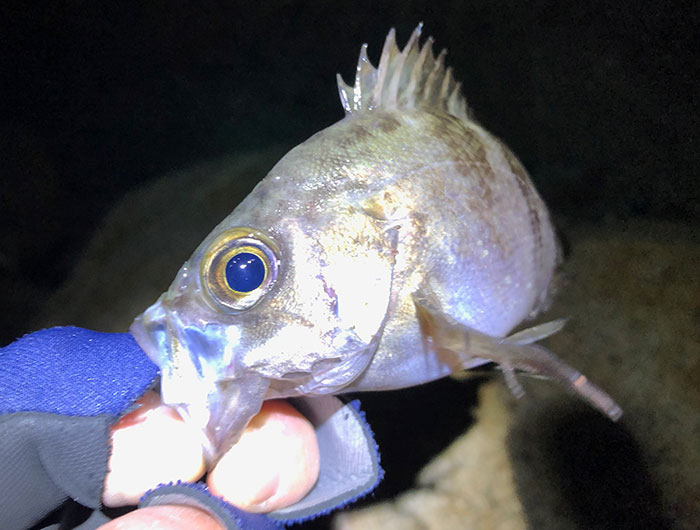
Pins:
x,y
273,465
164,518
150,446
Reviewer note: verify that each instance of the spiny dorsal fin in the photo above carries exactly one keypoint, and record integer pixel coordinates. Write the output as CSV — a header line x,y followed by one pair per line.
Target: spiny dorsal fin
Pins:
x,y
411,78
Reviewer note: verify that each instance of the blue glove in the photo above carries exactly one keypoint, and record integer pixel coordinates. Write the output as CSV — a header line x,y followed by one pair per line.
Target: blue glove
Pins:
x,y
62,388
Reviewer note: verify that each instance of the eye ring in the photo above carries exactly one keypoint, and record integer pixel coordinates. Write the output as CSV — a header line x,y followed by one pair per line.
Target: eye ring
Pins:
x,y
238,268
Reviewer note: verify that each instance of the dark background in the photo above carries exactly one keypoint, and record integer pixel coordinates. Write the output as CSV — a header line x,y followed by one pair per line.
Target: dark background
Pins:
x,y
598,99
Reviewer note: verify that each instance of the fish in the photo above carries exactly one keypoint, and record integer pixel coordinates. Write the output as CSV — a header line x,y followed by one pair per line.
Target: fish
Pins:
x,y
400,245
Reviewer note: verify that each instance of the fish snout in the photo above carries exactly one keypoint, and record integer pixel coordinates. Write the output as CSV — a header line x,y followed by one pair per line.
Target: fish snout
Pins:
x,y
196,375
150,329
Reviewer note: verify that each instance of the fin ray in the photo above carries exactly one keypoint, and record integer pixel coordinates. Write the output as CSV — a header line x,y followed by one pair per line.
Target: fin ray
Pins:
x,y
517,352
411,78
536,333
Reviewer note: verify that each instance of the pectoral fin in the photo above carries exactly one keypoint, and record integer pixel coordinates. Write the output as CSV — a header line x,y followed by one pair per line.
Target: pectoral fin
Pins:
x,y
461,345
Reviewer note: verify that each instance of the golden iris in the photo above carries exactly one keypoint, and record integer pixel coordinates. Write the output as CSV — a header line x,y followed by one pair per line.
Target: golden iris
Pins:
x,y
239,267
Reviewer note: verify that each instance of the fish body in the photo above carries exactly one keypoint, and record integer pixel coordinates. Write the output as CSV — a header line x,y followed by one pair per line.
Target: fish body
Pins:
x,y
395,247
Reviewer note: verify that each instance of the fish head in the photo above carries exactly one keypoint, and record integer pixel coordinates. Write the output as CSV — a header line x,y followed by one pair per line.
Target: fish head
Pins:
x,y
275,302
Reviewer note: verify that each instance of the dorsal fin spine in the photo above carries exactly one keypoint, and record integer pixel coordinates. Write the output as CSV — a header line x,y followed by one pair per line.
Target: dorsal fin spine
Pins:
x,y
447,85
388,53
419,67
394,73
411,78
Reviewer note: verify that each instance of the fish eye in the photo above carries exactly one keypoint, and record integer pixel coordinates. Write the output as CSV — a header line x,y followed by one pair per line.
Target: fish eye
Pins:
x,y
245,272
238,268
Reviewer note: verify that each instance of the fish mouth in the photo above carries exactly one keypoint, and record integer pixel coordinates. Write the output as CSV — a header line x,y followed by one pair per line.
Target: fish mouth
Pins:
x,y
193,363
150,329
182,385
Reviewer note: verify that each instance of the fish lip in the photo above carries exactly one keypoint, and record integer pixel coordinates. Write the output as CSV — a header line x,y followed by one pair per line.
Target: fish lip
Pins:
x,y
191,380
158,332
155,320
141,336
151,330
145,340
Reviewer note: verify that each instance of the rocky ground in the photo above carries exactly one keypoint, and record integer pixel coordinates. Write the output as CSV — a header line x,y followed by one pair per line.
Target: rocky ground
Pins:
x,y
632,296
633,299
598,99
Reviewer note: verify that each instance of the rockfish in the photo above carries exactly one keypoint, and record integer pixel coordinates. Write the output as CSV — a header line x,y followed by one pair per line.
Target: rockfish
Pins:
x,y
395,247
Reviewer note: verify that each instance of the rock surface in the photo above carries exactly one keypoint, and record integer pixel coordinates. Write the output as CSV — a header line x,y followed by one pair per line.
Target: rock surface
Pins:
x,y
632,295
469,485
633,298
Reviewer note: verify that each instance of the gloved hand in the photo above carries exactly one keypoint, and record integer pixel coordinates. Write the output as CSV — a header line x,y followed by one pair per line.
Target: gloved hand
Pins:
x,y
62,389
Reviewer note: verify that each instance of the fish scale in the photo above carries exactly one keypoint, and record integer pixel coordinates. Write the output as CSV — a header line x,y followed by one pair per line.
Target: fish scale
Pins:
x,y
397,246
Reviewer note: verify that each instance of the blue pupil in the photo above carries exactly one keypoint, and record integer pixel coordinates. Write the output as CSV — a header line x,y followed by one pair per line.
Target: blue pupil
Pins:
x,y
245,272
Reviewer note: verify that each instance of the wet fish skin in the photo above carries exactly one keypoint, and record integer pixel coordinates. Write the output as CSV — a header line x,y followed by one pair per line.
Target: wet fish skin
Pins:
x,y
471,228
407,242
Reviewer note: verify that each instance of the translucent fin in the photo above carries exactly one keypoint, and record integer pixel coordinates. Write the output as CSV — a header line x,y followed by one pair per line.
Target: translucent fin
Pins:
x,y
452,339
535,333
405,79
